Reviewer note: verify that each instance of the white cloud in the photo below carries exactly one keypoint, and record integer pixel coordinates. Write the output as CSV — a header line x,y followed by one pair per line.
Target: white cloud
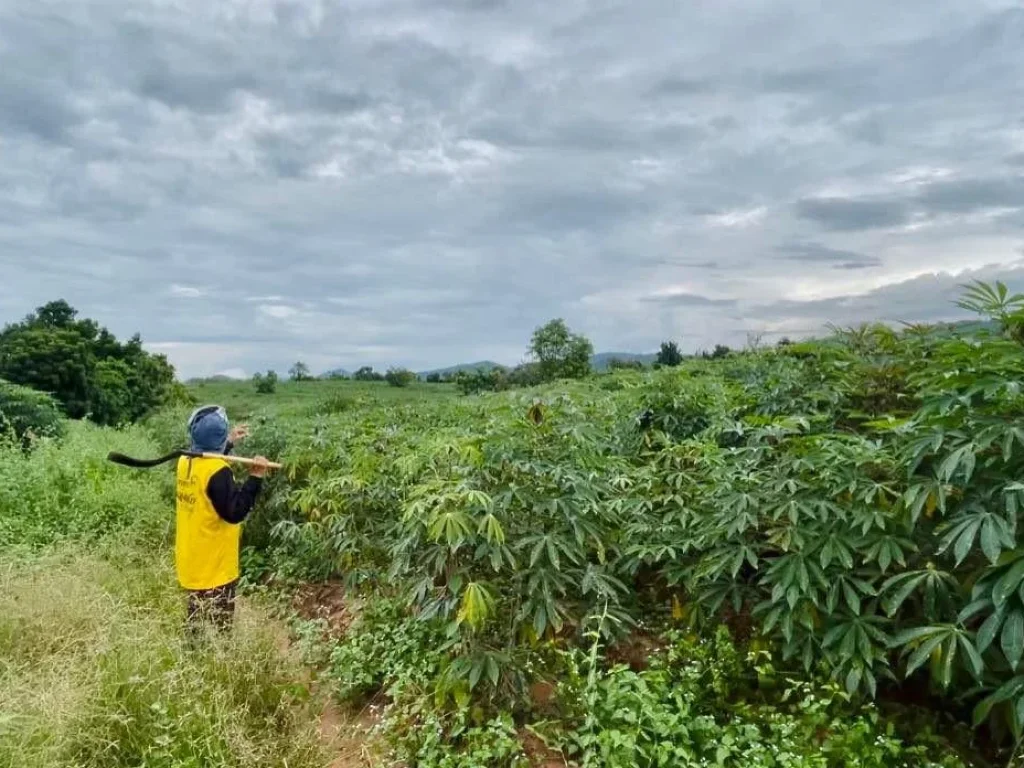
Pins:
x,y
233,373
185,291
738,218
278,311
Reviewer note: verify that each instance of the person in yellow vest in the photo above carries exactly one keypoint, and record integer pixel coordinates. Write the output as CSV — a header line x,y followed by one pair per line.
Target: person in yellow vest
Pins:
x,y
210,510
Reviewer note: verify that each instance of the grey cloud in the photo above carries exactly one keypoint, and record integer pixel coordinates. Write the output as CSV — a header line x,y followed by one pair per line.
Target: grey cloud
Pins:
x,y
27,106
963,195
928,298
425,182
471,5
677,85
204,92
816,253
683,299
839,213
956,195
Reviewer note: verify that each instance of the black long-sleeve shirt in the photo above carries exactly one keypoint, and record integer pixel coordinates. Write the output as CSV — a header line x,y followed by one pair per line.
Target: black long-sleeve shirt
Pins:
x,y
233,503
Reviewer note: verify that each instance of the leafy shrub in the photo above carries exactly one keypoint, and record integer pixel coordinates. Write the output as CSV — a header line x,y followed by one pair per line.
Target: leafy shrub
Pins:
x,y
366,373
332,405
265,384
27,413
481,380
84,366
681,710
669,355
69,489
267,438
433,739
615,364
559,353
852,503
399,377
300,372
387,649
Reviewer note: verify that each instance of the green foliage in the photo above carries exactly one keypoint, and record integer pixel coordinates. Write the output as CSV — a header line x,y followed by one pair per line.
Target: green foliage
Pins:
x,y
720,351
267,438
366,373
615,364
669,354
387,650
399,377
300,372
83,366
472,382
28,414
997,303
68,489
265,384
433,739
698,704
854,501
560,354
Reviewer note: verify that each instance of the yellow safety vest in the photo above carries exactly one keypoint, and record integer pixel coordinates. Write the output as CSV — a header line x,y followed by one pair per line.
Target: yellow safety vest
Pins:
x,y
205,546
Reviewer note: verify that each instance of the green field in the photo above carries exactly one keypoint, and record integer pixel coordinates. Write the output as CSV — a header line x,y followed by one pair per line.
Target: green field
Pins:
x,y
798,556
300,400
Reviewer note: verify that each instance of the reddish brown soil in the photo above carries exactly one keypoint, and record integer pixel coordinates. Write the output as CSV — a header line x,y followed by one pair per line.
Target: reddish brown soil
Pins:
x,y
539,754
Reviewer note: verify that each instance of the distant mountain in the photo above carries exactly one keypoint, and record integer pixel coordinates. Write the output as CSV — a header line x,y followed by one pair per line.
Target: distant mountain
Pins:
x,y
451,370
601,360
598,362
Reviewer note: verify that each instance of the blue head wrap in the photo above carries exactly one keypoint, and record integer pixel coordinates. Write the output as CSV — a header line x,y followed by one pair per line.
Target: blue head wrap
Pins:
x,y
208,429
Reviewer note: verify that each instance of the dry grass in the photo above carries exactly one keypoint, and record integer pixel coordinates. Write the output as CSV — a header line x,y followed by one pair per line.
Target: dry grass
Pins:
x,y
94,672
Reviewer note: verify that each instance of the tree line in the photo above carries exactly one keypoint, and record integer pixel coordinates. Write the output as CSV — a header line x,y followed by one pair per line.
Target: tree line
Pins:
x,y
555,352
83,367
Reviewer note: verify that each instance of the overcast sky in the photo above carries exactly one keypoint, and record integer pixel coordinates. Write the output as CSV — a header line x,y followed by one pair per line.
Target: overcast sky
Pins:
x,y
422,182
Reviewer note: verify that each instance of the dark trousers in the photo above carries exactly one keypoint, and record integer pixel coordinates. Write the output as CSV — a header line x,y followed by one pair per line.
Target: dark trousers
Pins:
x,y
211,607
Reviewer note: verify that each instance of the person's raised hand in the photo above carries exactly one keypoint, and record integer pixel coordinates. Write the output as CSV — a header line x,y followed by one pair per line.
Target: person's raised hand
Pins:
x,y
259,467
239,433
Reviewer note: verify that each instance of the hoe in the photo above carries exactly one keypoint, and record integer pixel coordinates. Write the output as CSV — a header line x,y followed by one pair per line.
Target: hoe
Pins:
x,y
128,461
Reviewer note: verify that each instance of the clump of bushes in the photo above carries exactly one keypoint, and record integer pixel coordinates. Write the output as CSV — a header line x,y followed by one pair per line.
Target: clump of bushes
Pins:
x,y
27,414
89,372
68,490
265,383
399,377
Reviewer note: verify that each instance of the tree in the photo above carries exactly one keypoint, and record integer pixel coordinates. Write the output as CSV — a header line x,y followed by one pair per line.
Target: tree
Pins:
x,y
366,373
669,354
113,393
434,378
300,372
27,413
400,377
84,366
560,353
265,384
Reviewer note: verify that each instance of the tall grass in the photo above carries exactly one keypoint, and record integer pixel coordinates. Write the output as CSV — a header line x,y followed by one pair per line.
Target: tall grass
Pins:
x,y
94,670
66,489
